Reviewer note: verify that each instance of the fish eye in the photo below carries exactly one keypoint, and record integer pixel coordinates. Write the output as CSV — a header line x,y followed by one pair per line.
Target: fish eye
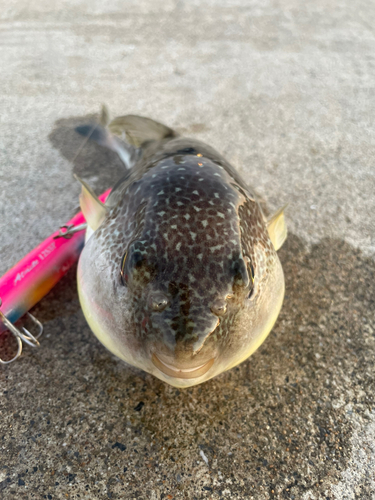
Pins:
x,y
158,301
252,276
124,278
219,307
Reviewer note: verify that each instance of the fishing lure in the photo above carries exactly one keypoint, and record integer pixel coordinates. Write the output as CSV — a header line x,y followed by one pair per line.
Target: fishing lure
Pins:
x,y
35,275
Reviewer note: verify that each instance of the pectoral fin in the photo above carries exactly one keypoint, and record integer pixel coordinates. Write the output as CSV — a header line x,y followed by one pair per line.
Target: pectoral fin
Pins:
x,y
93,209
277,228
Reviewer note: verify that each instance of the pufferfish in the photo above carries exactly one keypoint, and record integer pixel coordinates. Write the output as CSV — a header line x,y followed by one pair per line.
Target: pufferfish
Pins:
x,y
179,275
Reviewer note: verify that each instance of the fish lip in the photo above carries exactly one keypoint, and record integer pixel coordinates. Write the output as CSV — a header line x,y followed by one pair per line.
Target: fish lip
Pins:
x,y
175,372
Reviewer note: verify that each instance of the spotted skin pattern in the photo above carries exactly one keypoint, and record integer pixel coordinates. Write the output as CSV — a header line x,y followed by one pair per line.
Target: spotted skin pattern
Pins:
x,y
184,229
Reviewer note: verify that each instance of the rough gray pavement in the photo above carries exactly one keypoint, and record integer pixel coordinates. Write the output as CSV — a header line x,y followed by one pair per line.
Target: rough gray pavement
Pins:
x,y
286,91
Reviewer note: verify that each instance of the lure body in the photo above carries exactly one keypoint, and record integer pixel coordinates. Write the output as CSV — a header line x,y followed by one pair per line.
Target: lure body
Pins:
x,y
180,275
37,273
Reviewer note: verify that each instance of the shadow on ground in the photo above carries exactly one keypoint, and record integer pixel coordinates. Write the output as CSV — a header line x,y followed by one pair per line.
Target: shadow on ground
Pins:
x,y
89,160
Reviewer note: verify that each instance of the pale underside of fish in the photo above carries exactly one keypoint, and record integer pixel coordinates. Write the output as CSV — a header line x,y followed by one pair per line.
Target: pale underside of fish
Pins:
x,y
179,275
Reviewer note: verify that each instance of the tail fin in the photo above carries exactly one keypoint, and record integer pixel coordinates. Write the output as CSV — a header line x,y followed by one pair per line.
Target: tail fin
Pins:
x,y
127,153
100,134
125,134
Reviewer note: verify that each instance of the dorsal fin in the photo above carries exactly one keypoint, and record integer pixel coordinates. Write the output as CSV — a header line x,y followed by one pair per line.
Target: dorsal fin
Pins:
x,y
104,118
277,228
93,209
136,130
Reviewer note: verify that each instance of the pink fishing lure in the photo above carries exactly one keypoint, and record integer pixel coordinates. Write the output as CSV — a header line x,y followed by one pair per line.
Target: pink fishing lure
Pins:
x,y
33,277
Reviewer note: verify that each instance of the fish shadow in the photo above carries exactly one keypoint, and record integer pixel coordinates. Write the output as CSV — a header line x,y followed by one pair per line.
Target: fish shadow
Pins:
x,y
98,165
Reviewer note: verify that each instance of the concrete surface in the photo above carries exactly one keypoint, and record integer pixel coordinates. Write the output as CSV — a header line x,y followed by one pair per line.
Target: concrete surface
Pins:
x,y
286,90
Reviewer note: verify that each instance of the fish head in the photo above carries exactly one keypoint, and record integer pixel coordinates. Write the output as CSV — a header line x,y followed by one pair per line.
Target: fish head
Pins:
x,y
181,277
183,315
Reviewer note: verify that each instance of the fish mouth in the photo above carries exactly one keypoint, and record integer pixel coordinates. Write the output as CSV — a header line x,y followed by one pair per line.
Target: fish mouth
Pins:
x,y
173,371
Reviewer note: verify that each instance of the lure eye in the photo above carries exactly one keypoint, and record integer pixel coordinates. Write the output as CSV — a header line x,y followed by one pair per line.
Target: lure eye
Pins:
x,y
219,307
124,277
158,301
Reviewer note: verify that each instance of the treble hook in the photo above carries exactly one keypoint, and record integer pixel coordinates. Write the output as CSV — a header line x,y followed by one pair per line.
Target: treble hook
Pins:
x,y
69,230
20,337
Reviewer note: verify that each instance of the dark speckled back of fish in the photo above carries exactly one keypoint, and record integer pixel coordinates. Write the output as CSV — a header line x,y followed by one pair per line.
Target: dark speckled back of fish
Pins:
x,y
181,278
